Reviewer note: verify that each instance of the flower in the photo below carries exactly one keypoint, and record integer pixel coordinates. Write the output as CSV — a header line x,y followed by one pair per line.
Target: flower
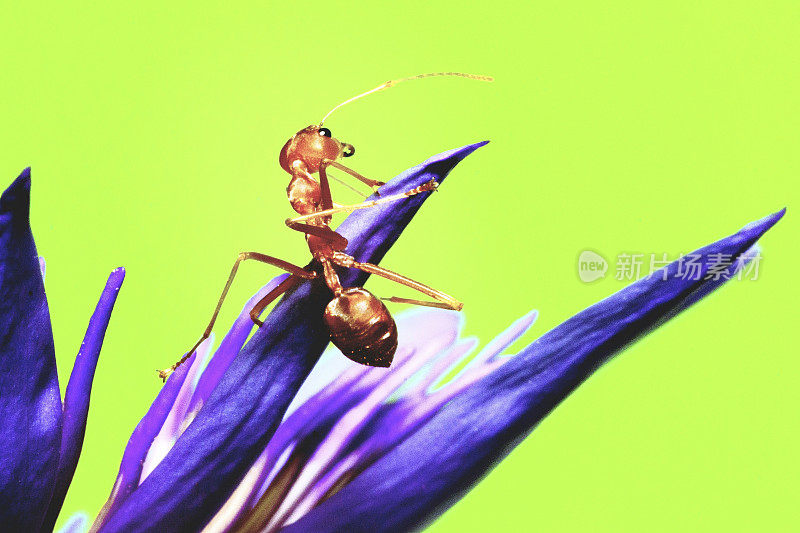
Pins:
x,y
233,443
41,438
347,417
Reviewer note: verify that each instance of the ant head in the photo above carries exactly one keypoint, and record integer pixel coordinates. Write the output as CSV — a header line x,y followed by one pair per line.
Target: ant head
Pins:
x,y
309,146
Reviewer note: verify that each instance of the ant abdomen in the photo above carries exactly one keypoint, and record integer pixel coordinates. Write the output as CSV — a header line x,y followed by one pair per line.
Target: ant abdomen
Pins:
x,y
361,327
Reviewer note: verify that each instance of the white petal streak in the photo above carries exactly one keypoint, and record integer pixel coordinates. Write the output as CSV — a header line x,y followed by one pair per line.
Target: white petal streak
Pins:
x,y
176,422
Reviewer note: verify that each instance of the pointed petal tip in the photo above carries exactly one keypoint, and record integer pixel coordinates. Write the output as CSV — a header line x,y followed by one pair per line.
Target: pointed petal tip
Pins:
x,y
17,195
468,149
528,318
774,217
531,317
23,180
764,224
457,153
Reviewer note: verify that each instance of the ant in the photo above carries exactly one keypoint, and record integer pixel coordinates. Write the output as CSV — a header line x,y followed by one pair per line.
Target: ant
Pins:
x,y
360,325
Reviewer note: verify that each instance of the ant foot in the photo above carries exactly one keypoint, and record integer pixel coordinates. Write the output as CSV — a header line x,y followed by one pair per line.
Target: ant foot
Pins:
x,y
164,374
432,185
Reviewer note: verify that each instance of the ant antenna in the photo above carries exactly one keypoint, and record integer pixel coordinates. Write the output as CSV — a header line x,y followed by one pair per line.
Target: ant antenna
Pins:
x,y
392,83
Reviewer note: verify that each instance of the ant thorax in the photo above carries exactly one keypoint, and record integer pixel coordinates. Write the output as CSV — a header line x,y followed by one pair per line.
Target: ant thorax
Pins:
x,y
304,193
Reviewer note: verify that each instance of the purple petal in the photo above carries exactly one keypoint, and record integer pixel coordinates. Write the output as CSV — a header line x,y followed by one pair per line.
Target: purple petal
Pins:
x,y
176,420
331,439
372,232
352,421
241,414
79,388
334,388
229,347
399,419
435,466
30,401
130,468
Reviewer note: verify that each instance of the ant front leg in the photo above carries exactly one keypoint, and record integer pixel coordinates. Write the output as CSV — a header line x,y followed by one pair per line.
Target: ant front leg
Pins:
x,y
443,301
326,202
296,271
323,175
427,187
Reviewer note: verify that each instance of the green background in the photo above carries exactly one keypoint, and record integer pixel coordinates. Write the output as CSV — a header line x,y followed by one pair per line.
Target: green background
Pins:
x,y
153,132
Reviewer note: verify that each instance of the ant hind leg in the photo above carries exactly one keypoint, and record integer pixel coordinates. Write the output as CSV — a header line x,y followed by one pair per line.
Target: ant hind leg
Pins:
x,y
441,299
296,271
285,285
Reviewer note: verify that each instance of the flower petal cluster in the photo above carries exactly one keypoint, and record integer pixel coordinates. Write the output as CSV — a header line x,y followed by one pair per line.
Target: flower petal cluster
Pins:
x,y
266,435
247,392
41,437
233,443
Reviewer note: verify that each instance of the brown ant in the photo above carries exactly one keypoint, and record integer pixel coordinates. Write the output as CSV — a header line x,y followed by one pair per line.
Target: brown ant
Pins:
x,y
360,325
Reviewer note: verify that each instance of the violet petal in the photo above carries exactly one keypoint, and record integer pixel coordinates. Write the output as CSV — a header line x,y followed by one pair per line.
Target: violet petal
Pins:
x,y
30,401
231,430
229,347
434,467
130,468
79,388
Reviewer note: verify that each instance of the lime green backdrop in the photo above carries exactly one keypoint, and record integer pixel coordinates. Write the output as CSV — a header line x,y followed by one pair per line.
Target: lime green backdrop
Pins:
x,y
153,132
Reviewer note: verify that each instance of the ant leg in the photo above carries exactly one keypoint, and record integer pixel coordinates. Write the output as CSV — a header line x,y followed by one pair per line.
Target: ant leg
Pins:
x,y
337,241
373,184
326,201
293,269
344,183
430,186
285,285
443,301
331,277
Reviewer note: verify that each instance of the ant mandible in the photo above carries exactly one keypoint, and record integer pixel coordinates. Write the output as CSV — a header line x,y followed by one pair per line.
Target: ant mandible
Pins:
x,y
359,323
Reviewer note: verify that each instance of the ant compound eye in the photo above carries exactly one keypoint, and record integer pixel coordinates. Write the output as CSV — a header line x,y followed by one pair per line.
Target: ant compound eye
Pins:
x,y
349,150
325,132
